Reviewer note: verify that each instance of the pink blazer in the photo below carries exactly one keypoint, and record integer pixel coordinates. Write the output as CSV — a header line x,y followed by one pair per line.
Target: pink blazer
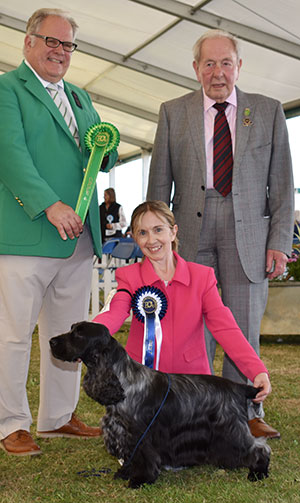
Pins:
x,y
192,297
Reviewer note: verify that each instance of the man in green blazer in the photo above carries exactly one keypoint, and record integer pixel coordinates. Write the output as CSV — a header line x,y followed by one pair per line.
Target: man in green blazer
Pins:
x,y
46,252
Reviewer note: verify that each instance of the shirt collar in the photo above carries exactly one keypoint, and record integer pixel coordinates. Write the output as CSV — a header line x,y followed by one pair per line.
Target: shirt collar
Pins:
x,y
44,83
182,273
208,102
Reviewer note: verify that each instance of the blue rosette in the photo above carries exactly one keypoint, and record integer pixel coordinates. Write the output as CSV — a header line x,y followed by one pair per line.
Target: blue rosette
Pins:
x,y
149,306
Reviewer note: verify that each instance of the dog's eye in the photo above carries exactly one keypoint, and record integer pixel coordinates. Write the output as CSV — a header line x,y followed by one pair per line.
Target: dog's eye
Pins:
x,y
76,330
78,333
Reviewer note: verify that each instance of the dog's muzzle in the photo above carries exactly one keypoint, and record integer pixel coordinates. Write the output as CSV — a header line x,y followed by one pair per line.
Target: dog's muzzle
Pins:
x,y
54,344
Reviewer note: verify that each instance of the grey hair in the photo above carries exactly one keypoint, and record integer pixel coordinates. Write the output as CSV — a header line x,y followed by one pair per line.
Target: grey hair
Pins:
x,y
35,21
216,34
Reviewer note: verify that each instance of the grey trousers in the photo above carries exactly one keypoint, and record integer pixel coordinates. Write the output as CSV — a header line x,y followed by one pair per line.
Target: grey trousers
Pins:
x,y
246,300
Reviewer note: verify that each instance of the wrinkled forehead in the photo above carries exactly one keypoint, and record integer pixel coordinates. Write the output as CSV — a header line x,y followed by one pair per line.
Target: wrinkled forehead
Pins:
x,y
218,48
138,223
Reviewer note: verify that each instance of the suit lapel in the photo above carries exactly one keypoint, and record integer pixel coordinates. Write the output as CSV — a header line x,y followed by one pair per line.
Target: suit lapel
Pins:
x,y
34,86
195,114
77,109
242,129
196,124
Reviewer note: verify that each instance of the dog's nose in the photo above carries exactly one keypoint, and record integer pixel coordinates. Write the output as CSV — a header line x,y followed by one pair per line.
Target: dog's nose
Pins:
x,y
53,342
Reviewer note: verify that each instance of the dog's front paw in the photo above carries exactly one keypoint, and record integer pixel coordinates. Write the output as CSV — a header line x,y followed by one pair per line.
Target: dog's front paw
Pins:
x,y
137,482
255,476
122,473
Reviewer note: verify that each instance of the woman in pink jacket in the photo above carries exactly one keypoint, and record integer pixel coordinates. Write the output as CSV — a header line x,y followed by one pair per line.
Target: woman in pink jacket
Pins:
x,y
170,299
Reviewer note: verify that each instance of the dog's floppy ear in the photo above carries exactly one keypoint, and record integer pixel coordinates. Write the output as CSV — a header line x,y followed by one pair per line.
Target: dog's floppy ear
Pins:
x,y
105,388
96,338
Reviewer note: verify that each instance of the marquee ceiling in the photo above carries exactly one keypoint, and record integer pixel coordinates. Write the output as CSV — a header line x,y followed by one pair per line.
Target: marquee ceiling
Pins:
x,y
134,54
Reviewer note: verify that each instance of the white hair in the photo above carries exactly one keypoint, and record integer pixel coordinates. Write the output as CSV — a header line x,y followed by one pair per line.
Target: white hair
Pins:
x,y
216,34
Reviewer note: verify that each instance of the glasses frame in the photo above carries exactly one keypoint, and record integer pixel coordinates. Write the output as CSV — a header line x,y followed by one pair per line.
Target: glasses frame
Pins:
x,y
65,47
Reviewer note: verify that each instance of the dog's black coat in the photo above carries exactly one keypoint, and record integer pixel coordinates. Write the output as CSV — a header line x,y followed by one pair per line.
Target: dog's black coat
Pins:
x,y
203,420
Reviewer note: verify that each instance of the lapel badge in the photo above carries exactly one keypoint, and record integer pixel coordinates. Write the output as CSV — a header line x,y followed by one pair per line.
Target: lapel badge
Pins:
x,y
76,99
247,121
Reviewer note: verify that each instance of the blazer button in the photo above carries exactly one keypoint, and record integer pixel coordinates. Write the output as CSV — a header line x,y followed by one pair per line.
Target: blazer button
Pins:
x,y
203,187
199,214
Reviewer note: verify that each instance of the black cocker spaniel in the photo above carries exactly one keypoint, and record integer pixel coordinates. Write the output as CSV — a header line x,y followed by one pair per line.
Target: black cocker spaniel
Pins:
x,y
155,420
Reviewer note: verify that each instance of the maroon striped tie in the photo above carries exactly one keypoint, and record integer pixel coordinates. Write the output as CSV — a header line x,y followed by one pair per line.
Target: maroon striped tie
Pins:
x,y
223,161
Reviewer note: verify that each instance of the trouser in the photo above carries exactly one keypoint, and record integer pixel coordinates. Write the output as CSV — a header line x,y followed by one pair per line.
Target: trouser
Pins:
x,y
246,300
55,294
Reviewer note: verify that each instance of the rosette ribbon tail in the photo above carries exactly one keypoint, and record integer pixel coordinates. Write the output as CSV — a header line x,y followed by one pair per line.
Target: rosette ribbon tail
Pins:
x,y
149,306
149,341
89,182
100,139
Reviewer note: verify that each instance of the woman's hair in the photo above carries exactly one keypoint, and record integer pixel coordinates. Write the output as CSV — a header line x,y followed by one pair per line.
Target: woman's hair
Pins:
x,y
40,15
216,34
111,194
161,210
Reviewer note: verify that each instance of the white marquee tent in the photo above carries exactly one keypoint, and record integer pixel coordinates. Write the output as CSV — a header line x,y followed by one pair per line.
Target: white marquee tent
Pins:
x,y
135,54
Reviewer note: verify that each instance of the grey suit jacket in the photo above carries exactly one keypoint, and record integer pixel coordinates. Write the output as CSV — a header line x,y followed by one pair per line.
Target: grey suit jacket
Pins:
x,y
262,185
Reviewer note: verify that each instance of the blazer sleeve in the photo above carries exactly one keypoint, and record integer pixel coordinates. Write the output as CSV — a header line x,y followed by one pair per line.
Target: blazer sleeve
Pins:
x,y
120,305
160,175
221,323
281,188
17,170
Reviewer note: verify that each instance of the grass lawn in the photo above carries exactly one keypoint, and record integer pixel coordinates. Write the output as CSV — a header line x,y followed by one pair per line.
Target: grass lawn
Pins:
x,y
75,471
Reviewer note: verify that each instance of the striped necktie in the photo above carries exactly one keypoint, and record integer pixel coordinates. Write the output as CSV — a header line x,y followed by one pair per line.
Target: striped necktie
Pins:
x,y
60,101
223,160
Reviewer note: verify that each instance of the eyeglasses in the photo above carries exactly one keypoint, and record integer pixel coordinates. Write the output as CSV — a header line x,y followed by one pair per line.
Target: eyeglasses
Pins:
x,y
54,42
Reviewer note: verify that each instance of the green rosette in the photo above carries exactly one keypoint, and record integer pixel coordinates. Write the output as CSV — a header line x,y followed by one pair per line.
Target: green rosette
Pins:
x,y
101,139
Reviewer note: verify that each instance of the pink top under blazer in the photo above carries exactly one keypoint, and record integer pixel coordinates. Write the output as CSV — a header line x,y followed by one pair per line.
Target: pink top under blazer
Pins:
x,y
192,296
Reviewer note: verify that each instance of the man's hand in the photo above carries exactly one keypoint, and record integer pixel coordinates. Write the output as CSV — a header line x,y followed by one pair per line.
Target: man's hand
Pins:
x,y
277,259
64,218
262,381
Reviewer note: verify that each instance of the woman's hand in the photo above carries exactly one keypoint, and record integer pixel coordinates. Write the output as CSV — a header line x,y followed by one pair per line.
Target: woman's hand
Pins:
x,y
262,381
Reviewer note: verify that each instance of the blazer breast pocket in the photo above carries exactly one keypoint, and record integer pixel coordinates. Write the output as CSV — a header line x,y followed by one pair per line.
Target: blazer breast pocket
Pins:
x,y
257,159
259,145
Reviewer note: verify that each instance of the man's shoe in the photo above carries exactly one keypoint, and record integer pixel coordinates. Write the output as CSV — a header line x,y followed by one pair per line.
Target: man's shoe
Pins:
x,y
74,428
259,428
20,443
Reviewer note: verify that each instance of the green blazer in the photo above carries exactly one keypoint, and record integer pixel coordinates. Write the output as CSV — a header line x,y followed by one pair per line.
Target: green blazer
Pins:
x,y
40,164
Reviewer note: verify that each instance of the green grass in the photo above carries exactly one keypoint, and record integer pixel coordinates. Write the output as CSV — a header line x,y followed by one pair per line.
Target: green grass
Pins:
x,y
54,476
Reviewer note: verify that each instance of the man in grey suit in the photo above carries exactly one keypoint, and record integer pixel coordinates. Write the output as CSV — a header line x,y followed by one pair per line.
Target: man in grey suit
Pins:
x,y
246,235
